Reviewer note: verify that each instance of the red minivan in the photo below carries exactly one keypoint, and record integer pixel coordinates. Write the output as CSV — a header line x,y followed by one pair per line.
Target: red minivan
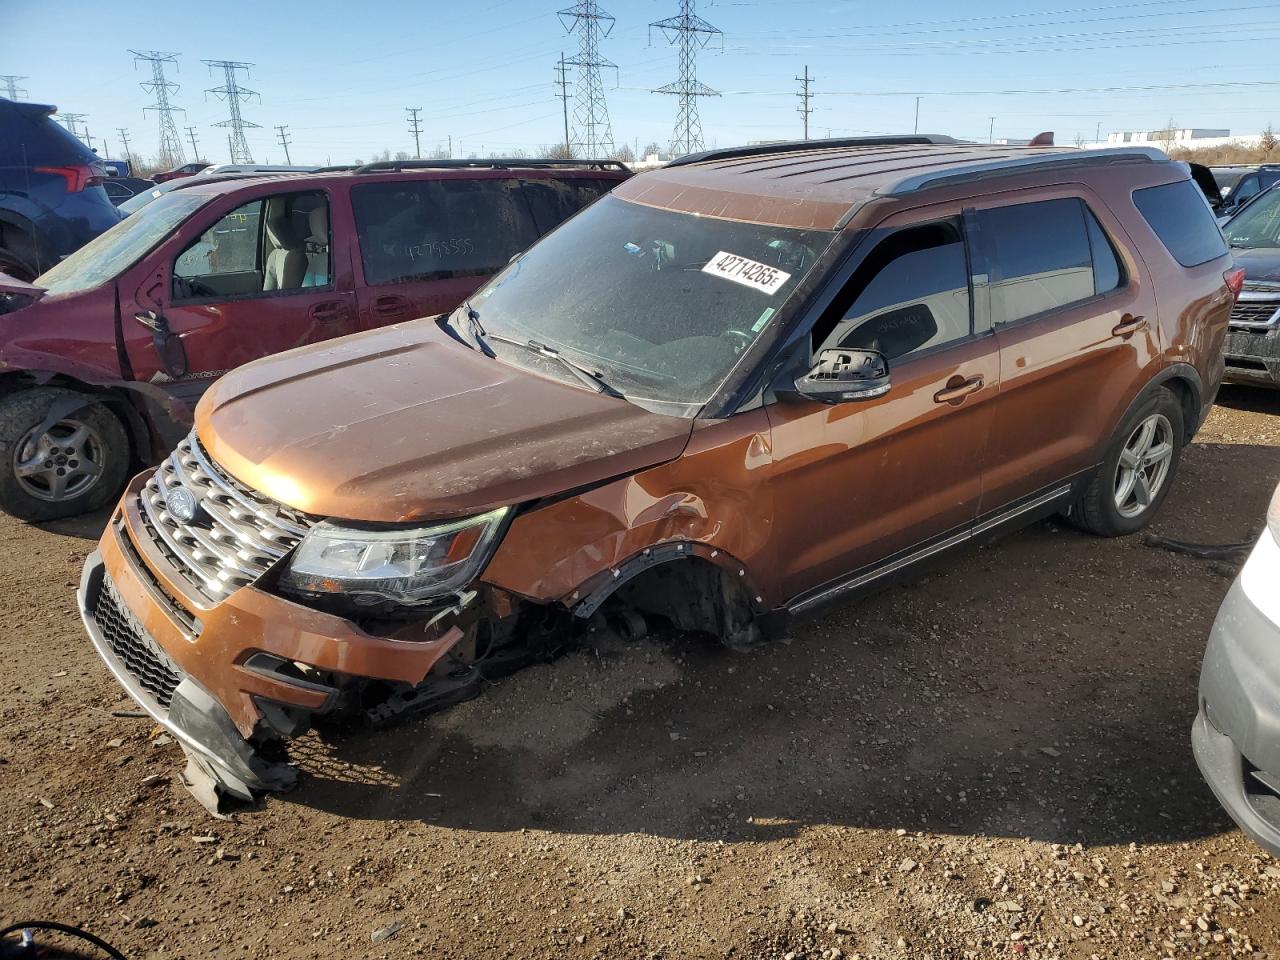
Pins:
x,y
103,357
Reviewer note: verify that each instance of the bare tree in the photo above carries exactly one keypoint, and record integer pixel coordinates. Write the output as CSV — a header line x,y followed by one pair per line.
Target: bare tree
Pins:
x,y
1169,135
560,151
1268,141
625,154
652,149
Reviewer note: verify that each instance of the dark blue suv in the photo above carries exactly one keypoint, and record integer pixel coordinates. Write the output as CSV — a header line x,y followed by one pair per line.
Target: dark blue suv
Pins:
x,y
51,196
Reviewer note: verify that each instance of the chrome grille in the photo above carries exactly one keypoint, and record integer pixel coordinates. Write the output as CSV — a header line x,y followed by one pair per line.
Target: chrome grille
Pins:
x,y
1256,309
237,533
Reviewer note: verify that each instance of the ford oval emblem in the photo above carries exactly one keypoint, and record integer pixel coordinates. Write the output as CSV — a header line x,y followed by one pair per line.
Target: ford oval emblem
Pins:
x,y
181,504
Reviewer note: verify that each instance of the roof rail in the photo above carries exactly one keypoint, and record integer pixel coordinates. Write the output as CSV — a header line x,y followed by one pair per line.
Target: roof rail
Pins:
x,y
195,179
790,146
983,169
489,163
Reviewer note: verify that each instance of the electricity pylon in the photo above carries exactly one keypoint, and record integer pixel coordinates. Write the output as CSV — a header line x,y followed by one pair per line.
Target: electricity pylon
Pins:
x,y
171,154
690,33
591,129
233,95
12,90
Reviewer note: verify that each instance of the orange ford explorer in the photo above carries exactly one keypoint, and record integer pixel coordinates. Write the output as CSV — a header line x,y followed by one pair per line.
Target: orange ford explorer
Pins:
x,y
740,386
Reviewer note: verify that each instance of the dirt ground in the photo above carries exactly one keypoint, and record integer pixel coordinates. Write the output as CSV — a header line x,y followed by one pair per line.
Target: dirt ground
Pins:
x,y
993,759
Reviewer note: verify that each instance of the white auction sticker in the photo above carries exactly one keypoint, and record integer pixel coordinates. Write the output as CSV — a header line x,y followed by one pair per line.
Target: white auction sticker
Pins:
x,y
749,273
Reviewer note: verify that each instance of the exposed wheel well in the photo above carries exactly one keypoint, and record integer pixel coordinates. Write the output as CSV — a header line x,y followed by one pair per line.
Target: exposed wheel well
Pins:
x,y
115,400
695,595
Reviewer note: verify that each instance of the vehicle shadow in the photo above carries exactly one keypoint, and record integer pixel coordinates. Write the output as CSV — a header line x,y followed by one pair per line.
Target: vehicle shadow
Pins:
x,y
1042,687
1249,399
87,526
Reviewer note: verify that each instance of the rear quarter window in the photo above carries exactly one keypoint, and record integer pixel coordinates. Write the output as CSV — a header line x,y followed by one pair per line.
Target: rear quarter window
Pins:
x,y
439,229
1181,218
553,201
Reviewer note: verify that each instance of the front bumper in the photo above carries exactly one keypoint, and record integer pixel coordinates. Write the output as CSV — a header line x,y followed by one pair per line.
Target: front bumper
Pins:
x,y
204,670
1236,734
1253,357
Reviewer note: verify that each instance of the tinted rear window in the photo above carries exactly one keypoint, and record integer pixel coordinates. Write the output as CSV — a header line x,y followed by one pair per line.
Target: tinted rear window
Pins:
x,y
1182,220
554,201
438,229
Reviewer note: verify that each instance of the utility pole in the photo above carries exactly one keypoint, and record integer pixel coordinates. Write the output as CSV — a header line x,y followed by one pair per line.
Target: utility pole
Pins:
x,y
88,140
690,33
805,96
195,147
12,90
916,128
170,143
284,141
416,129
124,138
562,81
233,95
590,111
1097,137
451,146
991,131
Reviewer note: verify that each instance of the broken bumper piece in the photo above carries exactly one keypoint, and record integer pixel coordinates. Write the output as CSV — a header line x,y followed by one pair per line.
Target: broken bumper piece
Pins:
x,y
220,761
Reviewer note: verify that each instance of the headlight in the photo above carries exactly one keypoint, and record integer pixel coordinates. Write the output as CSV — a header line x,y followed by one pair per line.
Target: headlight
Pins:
x,y
403,566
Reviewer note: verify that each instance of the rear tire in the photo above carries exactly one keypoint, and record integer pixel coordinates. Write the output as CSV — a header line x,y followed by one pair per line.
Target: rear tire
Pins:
x,y
15,267
1128,487
77,465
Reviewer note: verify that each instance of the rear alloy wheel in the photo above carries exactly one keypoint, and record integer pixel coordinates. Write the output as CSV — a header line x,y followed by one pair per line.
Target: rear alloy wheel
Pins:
x,y
1143,466
76,464
1137,470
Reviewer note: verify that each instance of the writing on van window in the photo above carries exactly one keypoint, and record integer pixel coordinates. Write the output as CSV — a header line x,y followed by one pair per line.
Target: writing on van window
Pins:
x,y
437,249
749,273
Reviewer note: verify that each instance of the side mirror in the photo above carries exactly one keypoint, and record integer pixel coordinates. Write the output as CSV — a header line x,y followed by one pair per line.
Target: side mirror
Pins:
x,y
172,351
841,376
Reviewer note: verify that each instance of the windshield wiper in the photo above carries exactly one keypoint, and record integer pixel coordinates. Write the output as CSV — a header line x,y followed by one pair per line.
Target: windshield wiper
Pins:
x,y
591,378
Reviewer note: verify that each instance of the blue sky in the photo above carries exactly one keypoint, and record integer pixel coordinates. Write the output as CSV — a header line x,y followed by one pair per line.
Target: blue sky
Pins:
x,y
341,72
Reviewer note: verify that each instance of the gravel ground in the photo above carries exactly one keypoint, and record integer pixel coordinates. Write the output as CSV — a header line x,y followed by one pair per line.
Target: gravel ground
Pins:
x,y
992,759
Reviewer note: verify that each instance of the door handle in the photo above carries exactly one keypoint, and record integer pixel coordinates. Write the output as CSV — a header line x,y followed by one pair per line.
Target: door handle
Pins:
x,y
390,307
1129,325
329,312
958,388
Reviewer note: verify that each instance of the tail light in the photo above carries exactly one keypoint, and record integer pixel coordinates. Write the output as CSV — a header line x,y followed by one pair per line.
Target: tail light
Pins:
x,y
1235,280
78,177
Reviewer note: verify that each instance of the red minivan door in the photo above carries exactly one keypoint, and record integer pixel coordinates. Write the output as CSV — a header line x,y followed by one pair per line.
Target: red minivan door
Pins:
x,y
262,275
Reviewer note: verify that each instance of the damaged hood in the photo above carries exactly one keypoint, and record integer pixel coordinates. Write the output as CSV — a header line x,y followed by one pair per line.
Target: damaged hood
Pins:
x,y
405,423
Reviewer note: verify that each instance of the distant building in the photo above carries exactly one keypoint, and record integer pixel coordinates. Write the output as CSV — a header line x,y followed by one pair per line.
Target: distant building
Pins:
x,y
1179,137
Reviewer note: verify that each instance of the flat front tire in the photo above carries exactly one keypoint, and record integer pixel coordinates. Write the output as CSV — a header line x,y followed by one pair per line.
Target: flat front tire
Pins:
x,y
49,470
1135,475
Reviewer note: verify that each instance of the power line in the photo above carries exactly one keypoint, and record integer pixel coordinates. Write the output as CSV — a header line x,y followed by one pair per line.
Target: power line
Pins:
x,y
562,81
416,129
691,33
590,111
805,97
171,154
195,147
10,82
284,141
233,95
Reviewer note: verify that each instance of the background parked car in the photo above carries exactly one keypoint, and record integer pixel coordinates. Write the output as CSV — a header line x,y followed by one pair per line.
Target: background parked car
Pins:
x,y
1252,350
186,170
51,196
120,189
106,355
118,168
1252,181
